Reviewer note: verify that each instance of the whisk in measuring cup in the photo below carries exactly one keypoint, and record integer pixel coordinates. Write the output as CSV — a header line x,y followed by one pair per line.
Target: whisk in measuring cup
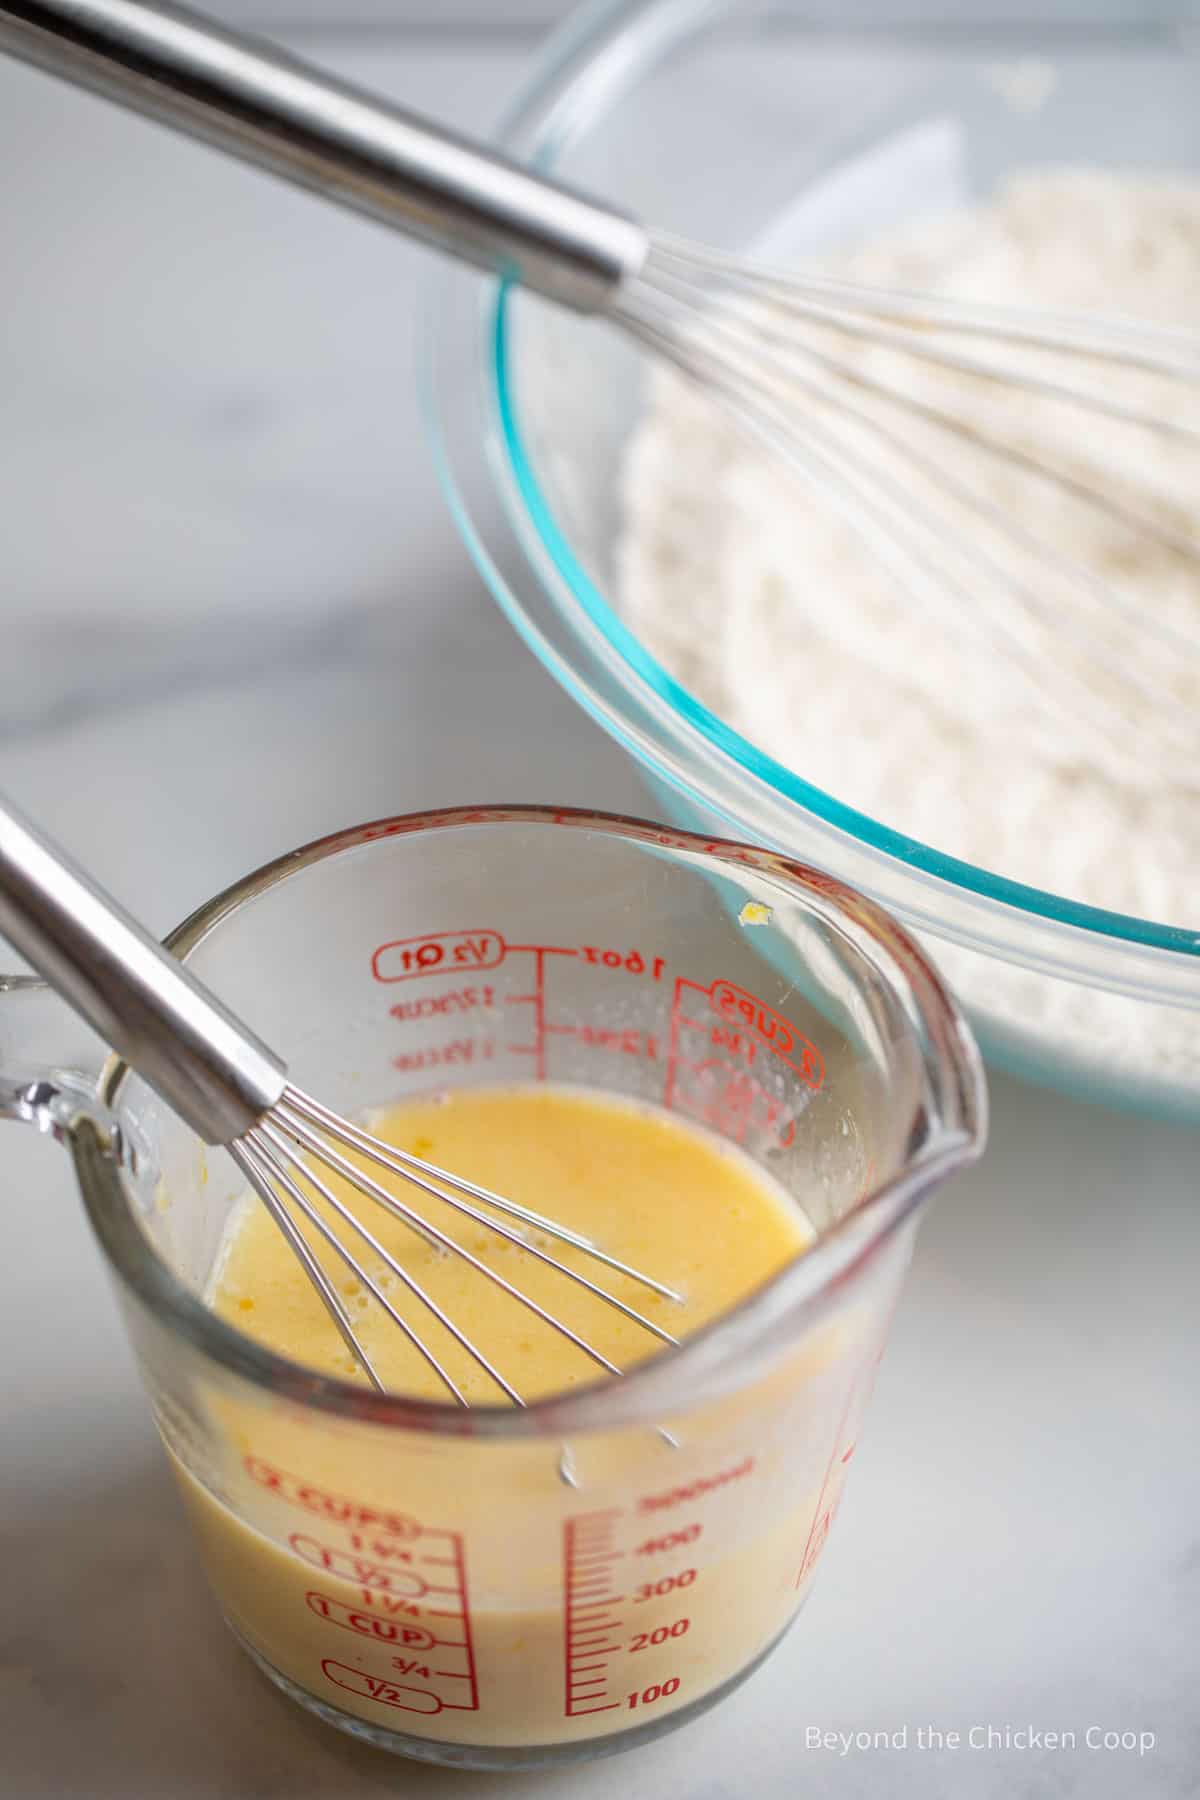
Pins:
x,y
773,348
234,1091
267,1156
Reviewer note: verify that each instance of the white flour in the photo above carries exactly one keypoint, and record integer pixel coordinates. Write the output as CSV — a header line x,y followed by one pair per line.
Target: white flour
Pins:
x,y
775,614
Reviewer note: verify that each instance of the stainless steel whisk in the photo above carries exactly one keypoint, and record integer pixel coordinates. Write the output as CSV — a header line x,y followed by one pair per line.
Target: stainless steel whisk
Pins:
x,y
789,356
234,1091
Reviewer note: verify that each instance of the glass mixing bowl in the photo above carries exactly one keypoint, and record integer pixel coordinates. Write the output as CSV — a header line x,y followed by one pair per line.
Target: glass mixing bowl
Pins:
x,y
709,118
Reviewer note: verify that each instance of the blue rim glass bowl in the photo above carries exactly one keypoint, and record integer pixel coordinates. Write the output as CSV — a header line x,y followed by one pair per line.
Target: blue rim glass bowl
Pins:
x,y
710,117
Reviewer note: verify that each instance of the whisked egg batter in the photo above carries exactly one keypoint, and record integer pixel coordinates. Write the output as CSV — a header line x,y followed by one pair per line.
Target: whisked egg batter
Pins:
x,y
446,1585
652,1190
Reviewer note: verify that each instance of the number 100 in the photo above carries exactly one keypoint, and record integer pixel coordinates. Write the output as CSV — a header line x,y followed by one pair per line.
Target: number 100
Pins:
x,y
658,1690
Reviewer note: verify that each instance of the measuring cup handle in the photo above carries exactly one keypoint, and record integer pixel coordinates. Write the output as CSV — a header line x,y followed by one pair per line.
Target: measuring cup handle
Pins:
x,y
50,1062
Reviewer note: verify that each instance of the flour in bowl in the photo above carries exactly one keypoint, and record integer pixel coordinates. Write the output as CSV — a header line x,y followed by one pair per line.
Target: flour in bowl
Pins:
x,y
770,608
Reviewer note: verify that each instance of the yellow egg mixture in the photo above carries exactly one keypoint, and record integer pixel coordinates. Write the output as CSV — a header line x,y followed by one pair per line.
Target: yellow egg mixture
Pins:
x,y
437,1587
670,1202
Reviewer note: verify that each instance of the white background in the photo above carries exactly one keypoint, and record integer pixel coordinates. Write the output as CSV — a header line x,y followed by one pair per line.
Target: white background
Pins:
x,y
481,16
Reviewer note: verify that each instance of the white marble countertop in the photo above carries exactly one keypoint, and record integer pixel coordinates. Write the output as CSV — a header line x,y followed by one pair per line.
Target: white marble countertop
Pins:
x,y
236,616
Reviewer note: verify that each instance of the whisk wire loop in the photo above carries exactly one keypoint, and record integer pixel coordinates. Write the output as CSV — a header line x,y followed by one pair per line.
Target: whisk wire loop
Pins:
x,y
260,1171
421,1174
267,1158
729,327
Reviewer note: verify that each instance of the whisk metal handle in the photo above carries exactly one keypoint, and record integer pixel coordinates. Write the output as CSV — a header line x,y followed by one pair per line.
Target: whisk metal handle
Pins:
x,y
147,1005
268,108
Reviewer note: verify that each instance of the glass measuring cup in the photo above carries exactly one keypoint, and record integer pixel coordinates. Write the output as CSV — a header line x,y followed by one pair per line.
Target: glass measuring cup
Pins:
x,y
503,1588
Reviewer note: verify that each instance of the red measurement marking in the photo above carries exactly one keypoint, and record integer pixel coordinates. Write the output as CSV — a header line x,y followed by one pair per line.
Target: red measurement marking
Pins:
x,y
859,1392
298,1492
822,1518
861,1389
380,1603
387,1693
363,1571
537,999
631,961
735,1005
468,1636
458,1053
703,1484
541,950
720,1088
587,1543
436,1006
669,1086
368,1624
539,1011
406,958
629,1041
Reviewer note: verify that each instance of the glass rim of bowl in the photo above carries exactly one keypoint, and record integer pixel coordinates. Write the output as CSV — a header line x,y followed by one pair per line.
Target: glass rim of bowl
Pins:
x,y
585,67
741,1338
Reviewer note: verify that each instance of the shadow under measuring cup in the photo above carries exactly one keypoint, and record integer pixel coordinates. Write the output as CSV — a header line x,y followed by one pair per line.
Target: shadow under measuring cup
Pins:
x,y
503,1587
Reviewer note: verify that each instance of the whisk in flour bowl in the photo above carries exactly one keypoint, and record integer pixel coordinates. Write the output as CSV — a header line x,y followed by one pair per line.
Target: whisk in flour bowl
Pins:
x,y
1034,813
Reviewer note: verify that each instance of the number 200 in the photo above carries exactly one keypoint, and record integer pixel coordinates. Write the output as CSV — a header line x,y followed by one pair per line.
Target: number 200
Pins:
x,y
660,1634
